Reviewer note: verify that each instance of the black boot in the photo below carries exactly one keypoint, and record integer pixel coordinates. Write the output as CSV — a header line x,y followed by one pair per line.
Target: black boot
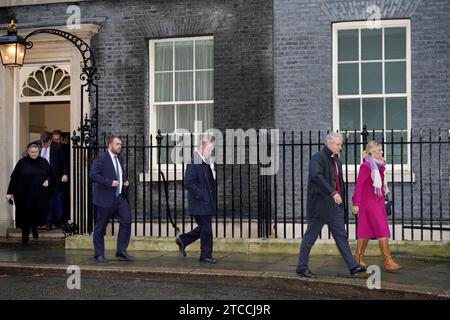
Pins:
x,y
25,237
35,232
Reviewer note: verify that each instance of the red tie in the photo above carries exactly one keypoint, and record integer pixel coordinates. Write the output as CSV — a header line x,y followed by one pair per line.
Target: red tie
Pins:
x,y
338,186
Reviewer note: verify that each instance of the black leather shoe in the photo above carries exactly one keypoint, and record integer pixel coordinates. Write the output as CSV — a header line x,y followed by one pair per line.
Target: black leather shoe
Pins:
x,y
208,260
356,270
101,259
124,255
305,273
181,246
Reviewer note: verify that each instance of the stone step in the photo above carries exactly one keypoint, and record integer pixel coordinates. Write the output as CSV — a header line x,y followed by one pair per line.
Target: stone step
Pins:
x,y
42,243
43,234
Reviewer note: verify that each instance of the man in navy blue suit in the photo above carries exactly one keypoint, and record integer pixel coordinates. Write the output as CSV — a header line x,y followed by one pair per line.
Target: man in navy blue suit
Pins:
x,y
325,205
199,183
53,152
109,196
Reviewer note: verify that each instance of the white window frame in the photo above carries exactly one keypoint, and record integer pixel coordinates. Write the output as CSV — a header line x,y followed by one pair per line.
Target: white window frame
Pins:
x,y
405,23
152,103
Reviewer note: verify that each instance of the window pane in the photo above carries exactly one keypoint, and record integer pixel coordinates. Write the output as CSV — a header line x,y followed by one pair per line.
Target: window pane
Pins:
x,y
204,54
58,75
163,56
397,146
186,117
184,86
395,43
48,76
206,116
184,55
64,86
395,73
371,44
348,78
40,77
163,87
165,118
396,114
351,150
349,114
373,113
371,78
204,85
348,45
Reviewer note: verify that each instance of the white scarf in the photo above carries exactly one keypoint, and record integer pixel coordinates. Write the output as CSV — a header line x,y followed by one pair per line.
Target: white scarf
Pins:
x,y
375,173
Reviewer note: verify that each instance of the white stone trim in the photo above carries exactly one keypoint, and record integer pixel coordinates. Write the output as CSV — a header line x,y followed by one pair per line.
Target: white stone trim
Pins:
x,y
13,3
406,23
6,162
152,113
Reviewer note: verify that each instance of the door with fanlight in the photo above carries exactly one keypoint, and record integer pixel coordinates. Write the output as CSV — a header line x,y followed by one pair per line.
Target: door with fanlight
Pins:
x,y
45,106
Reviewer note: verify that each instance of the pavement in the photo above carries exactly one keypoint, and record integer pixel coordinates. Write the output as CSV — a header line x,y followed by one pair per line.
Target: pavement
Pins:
x,y
420,278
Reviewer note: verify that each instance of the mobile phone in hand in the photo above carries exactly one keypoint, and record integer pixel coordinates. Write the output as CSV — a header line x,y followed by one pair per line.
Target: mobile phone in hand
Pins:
x,y
10,202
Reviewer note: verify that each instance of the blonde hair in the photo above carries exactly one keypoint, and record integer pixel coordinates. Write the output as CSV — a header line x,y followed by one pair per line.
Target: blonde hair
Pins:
x,y
371,147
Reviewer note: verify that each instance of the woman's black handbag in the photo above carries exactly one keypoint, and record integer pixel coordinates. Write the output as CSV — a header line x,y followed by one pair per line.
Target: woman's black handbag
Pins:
x,y
388,204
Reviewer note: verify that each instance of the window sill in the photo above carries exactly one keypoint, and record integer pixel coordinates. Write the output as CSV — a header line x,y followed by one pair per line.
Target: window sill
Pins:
x,y
169,175
388,175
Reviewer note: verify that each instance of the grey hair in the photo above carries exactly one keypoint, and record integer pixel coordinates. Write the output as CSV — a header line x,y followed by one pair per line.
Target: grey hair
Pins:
x,y
331,136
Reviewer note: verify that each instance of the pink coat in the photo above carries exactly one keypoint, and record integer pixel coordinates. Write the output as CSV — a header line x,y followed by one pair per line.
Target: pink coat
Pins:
x,y
372,218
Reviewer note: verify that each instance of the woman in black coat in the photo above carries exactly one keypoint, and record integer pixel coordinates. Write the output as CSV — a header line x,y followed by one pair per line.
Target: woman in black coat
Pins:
x,y
30,187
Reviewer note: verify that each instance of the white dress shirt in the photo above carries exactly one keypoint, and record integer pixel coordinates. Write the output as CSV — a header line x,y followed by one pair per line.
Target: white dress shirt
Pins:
x,y
203,158
45,153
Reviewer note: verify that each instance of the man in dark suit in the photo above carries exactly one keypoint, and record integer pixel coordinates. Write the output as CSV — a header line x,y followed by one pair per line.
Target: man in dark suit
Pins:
x,y
110,184
62,139
54,154
325,205
65,143
199,183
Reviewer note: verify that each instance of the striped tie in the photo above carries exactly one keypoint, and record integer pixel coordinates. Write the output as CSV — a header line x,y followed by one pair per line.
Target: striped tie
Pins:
x,y
117,175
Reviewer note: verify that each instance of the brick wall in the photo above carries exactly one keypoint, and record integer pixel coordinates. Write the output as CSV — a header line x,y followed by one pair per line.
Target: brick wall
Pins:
x,y
303,58
243,59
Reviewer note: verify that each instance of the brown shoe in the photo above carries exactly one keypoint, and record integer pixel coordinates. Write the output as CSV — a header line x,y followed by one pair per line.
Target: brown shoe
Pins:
x,y
389,264
361,245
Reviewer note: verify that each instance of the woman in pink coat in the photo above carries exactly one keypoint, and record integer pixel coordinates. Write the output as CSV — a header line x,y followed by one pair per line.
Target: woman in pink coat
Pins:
x,y
368,203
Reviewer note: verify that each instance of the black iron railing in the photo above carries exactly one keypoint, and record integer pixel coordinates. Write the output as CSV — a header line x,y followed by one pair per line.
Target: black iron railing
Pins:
x,y
252,203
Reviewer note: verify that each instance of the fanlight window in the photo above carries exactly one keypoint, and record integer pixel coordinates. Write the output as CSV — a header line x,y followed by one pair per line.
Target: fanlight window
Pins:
x,y
47,81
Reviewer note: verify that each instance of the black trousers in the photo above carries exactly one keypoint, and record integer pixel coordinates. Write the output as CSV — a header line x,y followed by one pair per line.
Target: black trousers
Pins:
x,y
121,210
203,232
26,232
337,228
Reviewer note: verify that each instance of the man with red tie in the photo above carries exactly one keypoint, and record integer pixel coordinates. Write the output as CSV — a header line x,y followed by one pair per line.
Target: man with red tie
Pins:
x,y
325,205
